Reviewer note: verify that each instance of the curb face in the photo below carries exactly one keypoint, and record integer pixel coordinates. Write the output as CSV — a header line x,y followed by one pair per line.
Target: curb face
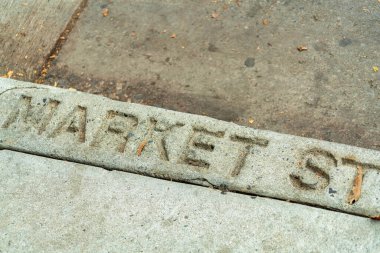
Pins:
x,y
188,148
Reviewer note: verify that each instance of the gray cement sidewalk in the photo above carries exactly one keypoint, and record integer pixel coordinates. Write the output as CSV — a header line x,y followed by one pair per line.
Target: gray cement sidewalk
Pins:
x,y
56,206
231,60
29,32
309,68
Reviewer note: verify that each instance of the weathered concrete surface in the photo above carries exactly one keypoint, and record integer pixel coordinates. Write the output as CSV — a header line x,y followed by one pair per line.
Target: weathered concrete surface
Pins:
x,y
29,31
235,60
55,206
146,140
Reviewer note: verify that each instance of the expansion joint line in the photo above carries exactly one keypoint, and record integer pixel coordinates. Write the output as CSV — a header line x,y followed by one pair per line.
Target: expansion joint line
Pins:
x,y
60,42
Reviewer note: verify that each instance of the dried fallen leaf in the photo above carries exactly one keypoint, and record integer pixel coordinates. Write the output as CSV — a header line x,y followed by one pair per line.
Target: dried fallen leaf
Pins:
x,y
357,187
302,48
251,121
265,21
105,12
9,74
376,217
214,14
44,71
375,69
141,147
173,36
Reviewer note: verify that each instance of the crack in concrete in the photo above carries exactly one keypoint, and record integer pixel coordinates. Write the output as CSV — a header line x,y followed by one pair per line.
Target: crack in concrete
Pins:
x,y
202,179
21,88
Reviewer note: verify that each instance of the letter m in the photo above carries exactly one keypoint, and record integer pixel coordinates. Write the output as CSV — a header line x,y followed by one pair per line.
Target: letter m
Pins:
x,y
29,117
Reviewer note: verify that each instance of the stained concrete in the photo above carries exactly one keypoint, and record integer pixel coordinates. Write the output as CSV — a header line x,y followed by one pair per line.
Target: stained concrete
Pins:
x,y
29,32
151,141
235,61
56,206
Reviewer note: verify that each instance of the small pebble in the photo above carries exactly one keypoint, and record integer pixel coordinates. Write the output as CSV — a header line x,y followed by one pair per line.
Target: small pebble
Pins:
x,y
249,62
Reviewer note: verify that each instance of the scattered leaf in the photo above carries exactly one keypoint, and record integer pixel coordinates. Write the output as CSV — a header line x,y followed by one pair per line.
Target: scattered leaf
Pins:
x,y
173,36
214,14
302,48
265,21
141,147
376,217
72,89
105,12
9,74
357,187
251,121
375,69
44,71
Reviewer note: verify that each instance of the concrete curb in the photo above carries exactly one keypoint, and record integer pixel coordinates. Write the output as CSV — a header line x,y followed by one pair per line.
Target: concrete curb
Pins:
x,y
188,148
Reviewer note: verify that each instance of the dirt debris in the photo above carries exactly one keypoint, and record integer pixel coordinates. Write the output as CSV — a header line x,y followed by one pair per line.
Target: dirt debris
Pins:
x,y
302,48
357,187
105,12
214,15
9,74
141,147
